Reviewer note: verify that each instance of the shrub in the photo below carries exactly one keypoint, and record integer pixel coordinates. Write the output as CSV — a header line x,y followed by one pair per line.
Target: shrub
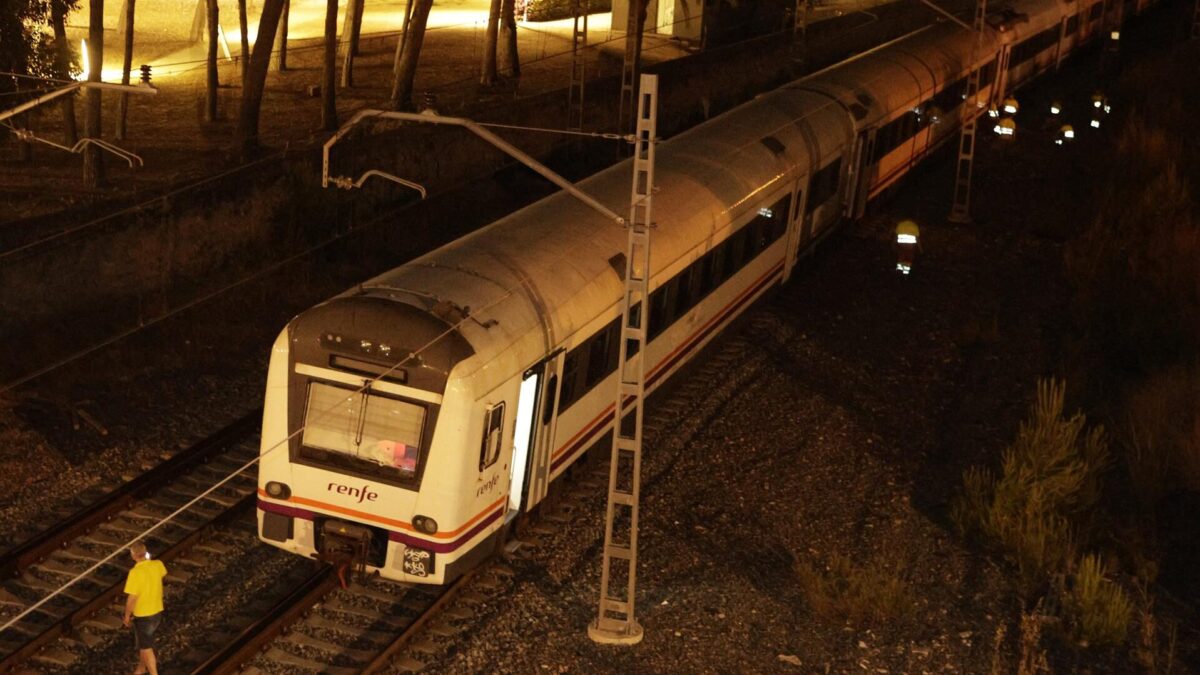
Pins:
x,y
553,10
1049,478
1096,610
858,593
1163,434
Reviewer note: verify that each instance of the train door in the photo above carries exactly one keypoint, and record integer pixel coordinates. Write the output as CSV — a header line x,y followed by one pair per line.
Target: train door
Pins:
x,y
532,433
796,230
856,178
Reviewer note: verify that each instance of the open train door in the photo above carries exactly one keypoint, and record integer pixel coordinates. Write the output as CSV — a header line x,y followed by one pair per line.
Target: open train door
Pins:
x,y
533,434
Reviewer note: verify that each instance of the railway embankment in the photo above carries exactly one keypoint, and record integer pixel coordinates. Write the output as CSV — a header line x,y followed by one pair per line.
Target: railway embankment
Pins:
x,y
108,273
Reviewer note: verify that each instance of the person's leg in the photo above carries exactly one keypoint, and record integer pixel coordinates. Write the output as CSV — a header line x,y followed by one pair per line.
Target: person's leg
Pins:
x,y
150,661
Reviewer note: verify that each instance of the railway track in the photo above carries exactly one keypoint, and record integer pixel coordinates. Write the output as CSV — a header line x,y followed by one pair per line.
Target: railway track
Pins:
x,y
364,627
72,546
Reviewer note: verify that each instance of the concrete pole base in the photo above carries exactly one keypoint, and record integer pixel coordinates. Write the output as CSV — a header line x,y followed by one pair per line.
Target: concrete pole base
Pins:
x,y
609,637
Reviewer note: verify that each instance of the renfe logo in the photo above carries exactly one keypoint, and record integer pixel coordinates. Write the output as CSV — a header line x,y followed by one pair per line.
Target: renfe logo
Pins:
x,y
362,493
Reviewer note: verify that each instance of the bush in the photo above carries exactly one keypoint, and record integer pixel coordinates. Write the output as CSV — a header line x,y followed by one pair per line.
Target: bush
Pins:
x,y
553,10
1163,435
1096,610
1049,479
858,593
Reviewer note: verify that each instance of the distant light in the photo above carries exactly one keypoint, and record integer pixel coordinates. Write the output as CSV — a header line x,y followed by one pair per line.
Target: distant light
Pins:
x,y
1107,108
84,51
906,239
766,213
1010,109
1055,109
992,112
1115,35
1095,124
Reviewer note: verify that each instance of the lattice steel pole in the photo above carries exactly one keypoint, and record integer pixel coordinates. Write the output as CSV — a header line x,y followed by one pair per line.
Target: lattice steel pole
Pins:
x,y
960,210
616,623
579,37
630,66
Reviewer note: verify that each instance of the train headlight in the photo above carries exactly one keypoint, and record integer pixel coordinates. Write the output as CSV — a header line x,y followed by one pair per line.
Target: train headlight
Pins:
x,y
425,524
278,490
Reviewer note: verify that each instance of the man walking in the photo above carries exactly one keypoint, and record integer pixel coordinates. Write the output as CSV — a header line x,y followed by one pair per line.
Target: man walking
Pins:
x,y
145,605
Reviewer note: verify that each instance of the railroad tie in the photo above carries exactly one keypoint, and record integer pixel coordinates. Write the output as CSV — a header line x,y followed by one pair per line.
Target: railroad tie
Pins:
x,y
309,642
287,659
103,621
375,637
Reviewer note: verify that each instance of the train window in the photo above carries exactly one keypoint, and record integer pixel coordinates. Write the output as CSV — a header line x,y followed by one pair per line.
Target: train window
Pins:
x,y
704,276
573,371
1095,12
1073,24
551,392
683,293
659,317
367,426
602,353
493,428
825,184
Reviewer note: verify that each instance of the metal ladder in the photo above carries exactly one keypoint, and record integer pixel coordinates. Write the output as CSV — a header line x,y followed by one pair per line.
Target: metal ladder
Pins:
x,y
615,623
960,210
629,68
579,36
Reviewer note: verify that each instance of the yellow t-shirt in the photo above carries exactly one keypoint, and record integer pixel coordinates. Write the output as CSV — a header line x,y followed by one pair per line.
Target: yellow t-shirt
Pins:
x,y
145,581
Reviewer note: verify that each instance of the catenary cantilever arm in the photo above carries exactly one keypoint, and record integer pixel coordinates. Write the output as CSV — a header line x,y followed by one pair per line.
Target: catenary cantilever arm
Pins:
x,y
497,142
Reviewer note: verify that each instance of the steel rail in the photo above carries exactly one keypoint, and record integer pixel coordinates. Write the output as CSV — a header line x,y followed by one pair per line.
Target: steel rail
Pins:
x,y
384,658
283,614
73,619
87,518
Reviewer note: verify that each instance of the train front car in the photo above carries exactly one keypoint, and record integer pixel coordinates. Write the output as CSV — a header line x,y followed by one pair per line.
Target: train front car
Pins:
x,y
346,471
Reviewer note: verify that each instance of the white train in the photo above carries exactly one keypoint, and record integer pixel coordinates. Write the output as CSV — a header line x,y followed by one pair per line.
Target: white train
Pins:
x,y
516,326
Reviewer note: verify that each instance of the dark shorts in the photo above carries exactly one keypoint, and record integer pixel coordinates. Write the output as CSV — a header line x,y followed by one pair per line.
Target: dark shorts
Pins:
x,y
144,628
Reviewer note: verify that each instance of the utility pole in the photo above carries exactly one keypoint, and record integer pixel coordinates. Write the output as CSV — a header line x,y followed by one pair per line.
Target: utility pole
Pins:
x,y
579,36
616,622
800,19
631,65
960,210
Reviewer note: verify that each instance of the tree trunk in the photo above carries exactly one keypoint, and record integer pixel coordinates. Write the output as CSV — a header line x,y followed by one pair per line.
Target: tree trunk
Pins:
x,y
329,72
406,72
244,26
93,160
356,26
353,7
487,72
281,41
508,17
63,62
126,65
252,93
210,94
403,37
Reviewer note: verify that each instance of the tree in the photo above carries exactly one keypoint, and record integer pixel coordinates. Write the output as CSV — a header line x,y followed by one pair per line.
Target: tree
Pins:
x,y
281,41
126,65
508,29
210,64
93,160
247,128
244,27
406,71
63,66
487,75
328,84
25,49
351,30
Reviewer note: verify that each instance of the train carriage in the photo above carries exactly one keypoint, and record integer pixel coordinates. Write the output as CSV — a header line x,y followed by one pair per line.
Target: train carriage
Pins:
x,y
409,419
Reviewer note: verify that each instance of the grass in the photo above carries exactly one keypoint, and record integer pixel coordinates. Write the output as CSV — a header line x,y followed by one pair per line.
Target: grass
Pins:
x,y
858,593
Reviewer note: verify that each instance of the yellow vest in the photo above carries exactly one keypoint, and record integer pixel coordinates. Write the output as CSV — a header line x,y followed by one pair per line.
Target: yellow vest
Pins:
x,y
145,581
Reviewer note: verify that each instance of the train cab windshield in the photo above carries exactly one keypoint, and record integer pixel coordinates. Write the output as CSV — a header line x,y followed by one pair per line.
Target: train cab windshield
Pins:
x,y
363,430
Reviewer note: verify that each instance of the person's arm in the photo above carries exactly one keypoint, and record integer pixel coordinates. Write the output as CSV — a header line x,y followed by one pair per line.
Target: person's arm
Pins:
x,y
130,603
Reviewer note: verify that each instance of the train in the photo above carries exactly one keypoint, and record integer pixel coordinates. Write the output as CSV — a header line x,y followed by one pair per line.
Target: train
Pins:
x,y
408,421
